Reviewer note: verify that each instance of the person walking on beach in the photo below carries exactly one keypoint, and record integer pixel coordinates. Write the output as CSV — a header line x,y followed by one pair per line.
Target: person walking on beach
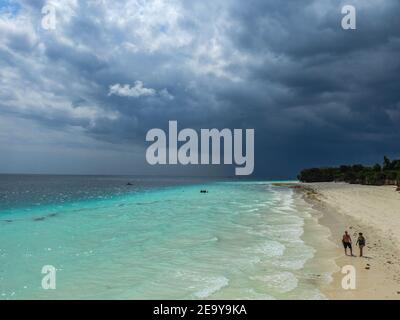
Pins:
x,y
361,243
346,240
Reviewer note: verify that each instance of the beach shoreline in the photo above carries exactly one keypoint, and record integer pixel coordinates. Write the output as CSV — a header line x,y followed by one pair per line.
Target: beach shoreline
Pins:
x,y
357,208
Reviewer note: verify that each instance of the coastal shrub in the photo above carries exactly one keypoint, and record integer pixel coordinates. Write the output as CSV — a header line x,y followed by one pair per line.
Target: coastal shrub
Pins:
x,y
391,175
357,168
377,167
317,175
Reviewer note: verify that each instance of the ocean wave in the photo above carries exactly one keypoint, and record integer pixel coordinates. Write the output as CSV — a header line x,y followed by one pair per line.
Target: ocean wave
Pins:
x,y
251,294
212,286
202,285
281,281
269,249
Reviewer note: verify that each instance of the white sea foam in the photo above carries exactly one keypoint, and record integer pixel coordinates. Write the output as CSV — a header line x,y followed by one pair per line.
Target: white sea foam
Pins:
x,y
254,295
281,281
212,285
269,249
213,239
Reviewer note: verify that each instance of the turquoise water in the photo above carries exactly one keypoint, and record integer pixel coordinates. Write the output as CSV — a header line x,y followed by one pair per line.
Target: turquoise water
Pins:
x,y
242,240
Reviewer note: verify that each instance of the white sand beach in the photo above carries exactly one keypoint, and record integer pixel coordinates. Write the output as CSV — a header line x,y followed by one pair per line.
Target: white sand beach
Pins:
x,y
375,211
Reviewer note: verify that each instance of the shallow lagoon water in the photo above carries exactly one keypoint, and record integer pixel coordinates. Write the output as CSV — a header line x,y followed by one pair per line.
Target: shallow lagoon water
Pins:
x,y
241,240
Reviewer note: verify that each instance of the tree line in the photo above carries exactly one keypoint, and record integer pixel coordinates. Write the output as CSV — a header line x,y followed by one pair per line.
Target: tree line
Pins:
x,y
386,174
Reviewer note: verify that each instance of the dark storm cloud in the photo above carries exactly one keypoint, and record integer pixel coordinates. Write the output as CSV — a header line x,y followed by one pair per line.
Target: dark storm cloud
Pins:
x,y
315,93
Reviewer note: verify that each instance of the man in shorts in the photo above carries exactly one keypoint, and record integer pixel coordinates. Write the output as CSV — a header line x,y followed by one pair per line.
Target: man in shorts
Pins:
x,y
346,240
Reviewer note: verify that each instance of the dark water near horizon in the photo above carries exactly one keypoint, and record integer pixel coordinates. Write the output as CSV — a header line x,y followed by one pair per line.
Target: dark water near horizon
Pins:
x,y
21,190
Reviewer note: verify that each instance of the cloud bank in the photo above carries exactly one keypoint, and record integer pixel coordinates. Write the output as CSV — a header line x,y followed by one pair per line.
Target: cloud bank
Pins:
x,y
315,94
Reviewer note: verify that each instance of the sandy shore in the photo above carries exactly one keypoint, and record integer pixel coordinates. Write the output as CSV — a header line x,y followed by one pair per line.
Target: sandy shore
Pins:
x,y
375,211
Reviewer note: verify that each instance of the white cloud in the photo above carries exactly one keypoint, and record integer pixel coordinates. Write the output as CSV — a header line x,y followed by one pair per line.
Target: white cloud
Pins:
x,y
136,91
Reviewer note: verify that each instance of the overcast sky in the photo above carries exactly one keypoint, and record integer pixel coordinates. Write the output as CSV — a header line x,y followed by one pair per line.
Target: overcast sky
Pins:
x,y
80,98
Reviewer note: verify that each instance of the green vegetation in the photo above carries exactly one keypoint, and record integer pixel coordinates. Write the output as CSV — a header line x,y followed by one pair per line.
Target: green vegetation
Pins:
x,y
387,174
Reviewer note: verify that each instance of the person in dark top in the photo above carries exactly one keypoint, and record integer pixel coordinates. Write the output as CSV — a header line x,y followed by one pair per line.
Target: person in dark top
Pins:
x,y
346,240
361,243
